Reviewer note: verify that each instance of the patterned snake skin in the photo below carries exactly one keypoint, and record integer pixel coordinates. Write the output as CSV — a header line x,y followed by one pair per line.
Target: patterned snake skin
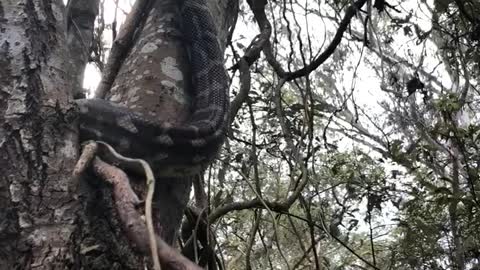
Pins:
x,y
186,149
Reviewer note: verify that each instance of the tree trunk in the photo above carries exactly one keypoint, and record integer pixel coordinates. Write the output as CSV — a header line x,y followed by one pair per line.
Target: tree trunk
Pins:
x,y
49,221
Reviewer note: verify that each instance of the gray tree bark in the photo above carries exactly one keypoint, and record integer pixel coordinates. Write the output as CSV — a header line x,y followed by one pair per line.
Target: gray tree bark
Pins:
x,y
48,221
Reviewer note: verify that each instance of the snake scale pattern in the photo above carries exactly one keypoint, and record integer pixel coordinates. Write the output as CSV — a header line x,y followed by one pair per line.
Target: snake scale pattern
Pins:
x,y
184,149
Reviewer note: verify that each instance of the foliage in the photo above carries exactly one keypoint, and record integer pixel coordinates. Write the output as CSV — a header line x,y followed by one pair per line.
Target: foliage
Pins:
x,y
391,175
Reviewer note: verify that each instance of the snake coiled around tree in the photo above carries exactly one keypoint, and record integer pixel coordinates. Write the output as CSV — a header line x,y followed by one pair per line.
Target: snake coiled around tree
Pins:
x,y
183,149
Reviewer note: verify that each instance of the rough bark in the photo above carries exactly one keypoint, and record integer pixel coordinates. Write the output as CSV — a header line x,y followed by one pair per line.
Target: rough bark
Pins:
x,y
38,146
49,221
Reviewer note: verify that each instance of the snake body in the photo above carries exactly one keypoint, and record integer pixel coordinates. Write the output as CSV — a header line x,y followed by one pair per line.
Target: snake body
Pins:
x,y
184,149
